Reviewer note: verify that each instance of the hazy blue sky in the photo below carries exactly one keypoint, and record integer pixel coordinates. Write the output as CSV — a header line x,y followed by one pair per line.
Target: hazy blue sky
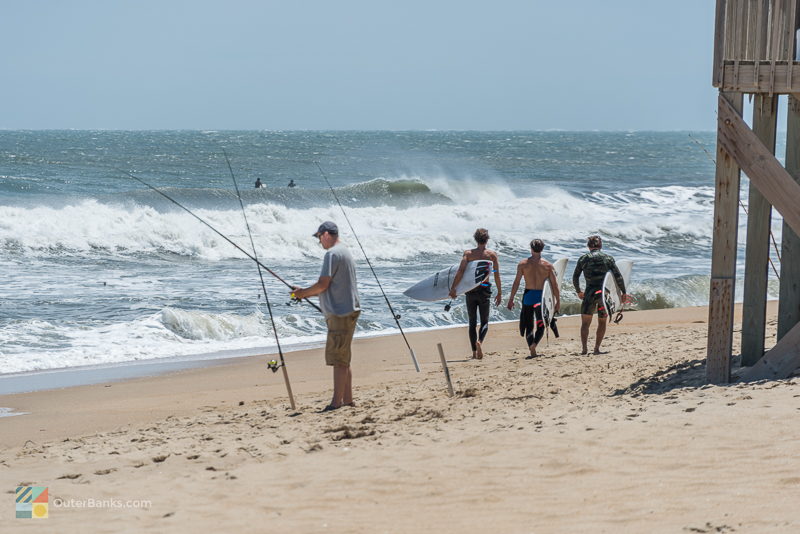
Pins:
x,y
347,64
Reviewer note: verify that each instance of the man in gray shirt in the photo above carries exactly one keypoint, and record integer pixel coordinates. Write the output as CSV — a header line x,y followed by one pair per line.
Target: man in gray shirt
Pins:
x,y
338,298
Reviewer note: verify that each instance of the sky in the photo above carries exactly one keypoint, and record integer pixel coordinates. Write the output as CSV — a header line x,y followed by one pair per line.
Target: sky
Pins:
x,y
357,65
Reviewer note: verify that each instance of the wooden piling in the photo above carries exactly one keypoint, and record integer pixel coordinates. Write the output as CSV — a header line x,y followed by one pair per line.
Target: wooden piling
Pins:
x,y
759,220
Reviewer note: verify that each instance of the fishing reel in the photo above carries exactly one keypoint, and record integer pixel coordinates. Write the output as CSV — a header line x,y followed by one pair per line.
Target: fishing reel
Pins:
x,y
293,300
448,306
273,366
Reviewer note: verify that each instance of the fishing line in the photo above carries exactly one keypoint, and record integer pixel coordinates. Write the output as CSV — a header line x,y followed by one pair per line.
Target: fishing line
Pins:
x,y
282,365
771,235
395,316
223,236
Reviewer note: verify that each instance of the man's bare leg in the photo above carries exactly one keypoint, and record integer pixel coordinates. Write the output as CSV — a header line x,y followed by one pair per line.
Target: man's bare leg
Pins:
x,y
532,349
340,374
347,397
586,322
478,351
601,332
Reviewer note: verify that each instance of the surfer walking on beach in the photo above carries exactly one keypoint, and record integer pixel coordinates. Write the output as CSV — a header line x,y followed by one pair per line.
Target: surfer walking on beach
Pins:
x,y
338,298
536,271
594,265
478,299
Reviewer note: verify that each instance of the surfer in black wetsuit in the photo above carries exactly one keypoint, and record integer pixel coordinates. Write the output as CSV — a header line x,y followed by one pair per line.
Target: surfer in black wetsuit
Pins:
x,y
594,265
259,185
291,183
478,298
535,270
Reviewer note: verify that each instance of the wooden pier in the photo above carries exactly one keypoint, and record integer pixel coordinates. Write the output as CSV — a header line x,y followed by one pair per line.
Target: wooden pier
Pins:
x,y
755,47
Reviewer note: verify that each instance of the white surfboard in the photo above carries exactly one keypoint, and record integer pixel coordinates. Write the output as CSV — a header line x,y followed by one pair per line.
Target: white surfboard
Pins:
x,y
548,298
612,295
437,286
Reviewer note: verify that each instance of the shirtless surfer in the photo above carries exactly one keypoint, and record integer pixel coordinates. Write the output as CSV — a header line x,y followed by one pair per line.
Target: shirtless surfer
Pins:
x,y
478,298
536,271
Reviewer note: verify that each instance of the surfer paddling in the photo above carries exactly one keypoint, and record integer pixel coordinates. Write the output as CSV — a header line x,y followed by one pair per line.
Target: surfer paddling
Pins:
x,y
338,298
594,265
478,299
536,271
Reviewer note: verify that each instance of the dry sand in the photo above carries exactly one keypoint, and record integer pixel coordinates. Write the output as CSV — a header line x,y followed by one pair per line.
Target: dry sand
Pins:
x,y
628,441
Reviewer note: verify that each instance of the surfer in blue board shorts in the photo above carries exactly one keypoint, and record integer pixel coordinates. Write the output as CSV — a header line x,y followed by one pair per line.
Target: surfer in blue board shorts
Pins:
x,y
478,299
594,265
535,270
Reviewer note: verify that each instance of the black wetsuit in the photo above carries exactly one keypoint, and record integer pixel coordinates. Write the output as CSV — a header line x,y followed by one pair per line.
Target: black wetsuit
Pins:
x,y
594,265
531,315
478,301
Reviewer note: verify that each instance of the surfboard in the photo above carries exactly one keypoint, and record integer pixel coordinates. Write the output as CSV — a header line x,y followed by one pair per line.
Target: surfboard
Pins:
x,y
548,298
437,286
612,295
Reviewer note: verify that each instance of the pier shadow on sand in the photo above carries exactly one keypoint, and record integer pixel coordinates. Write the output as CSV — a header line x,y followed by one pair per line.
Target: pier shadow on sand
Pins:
x,y
688,374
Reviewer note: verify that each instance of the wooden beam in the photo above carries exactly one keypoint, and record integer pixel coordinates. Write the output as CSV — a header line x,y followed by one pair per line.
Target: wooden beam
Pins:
x,y
723,254
789,296
772,180
780,362
719,43
759,220
781,77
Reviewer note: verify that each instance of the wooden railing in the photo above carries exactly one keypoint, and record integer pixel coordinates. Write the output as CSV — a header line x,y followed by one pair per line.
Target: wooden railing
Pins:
x,y
761,33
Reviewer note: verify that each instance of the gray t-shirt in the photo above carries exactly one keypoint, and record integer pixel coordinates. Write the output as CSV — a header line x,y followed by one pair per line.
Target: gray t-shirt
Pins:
x,y
341,297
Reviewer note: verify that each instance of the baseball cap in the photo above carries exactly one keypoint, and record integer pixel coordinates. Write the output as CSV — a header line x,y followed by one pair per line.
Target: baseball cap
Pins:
x,y
327,226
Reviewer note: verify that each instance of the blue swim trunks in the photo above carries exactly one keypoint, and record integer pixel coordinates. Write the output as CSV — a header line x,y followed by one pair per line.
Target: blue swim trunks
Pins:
x,y
531,297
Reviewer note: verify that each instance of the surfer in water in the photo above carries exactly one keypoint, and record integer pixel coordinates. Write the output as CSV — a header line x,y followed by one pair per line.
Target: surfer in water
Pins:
x,y
259,185
291,183
535,270
478,298
594,265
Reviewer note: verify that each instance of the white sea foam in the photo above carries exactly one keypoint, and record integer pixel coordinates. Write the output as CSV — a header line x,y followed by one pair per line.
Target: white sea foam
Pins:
x,y
638,218
168,333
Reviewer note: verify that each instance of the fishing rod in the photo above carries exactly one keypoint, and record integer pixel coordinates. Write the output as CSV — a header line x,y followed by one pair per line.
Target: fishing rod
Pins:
x,y
273,367
395,316
223,236
771,235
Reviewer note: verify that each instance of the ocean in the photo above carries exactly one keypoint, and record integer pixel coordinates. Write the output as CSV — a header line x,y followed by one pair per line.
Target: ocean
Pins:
x,y
96,269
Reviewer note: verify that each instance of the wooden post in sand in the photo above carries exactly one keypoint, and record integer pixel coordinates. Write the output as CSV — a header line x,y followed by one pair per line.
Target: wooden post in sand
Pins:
x,y
759,221
446,370
723,258
789,303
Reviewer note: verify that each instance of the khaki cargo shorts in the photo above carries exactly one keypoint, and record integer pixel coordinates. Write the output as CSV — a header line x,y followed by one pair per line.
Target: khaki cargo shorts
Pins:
x,y
340,335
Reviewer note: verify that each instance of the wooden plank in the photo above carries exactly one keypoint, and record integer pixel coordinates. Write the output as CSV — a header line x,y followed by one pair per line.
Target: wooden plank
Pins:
x,y
780,362
719,43
789,296
759,219
723,257
777,27
758,77
788,29
772,180
720,331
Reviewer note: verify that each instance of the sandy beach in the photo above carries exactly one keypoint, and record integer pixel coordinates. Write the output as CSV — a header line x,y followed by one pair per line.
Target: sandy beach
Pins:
x,y
628,441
